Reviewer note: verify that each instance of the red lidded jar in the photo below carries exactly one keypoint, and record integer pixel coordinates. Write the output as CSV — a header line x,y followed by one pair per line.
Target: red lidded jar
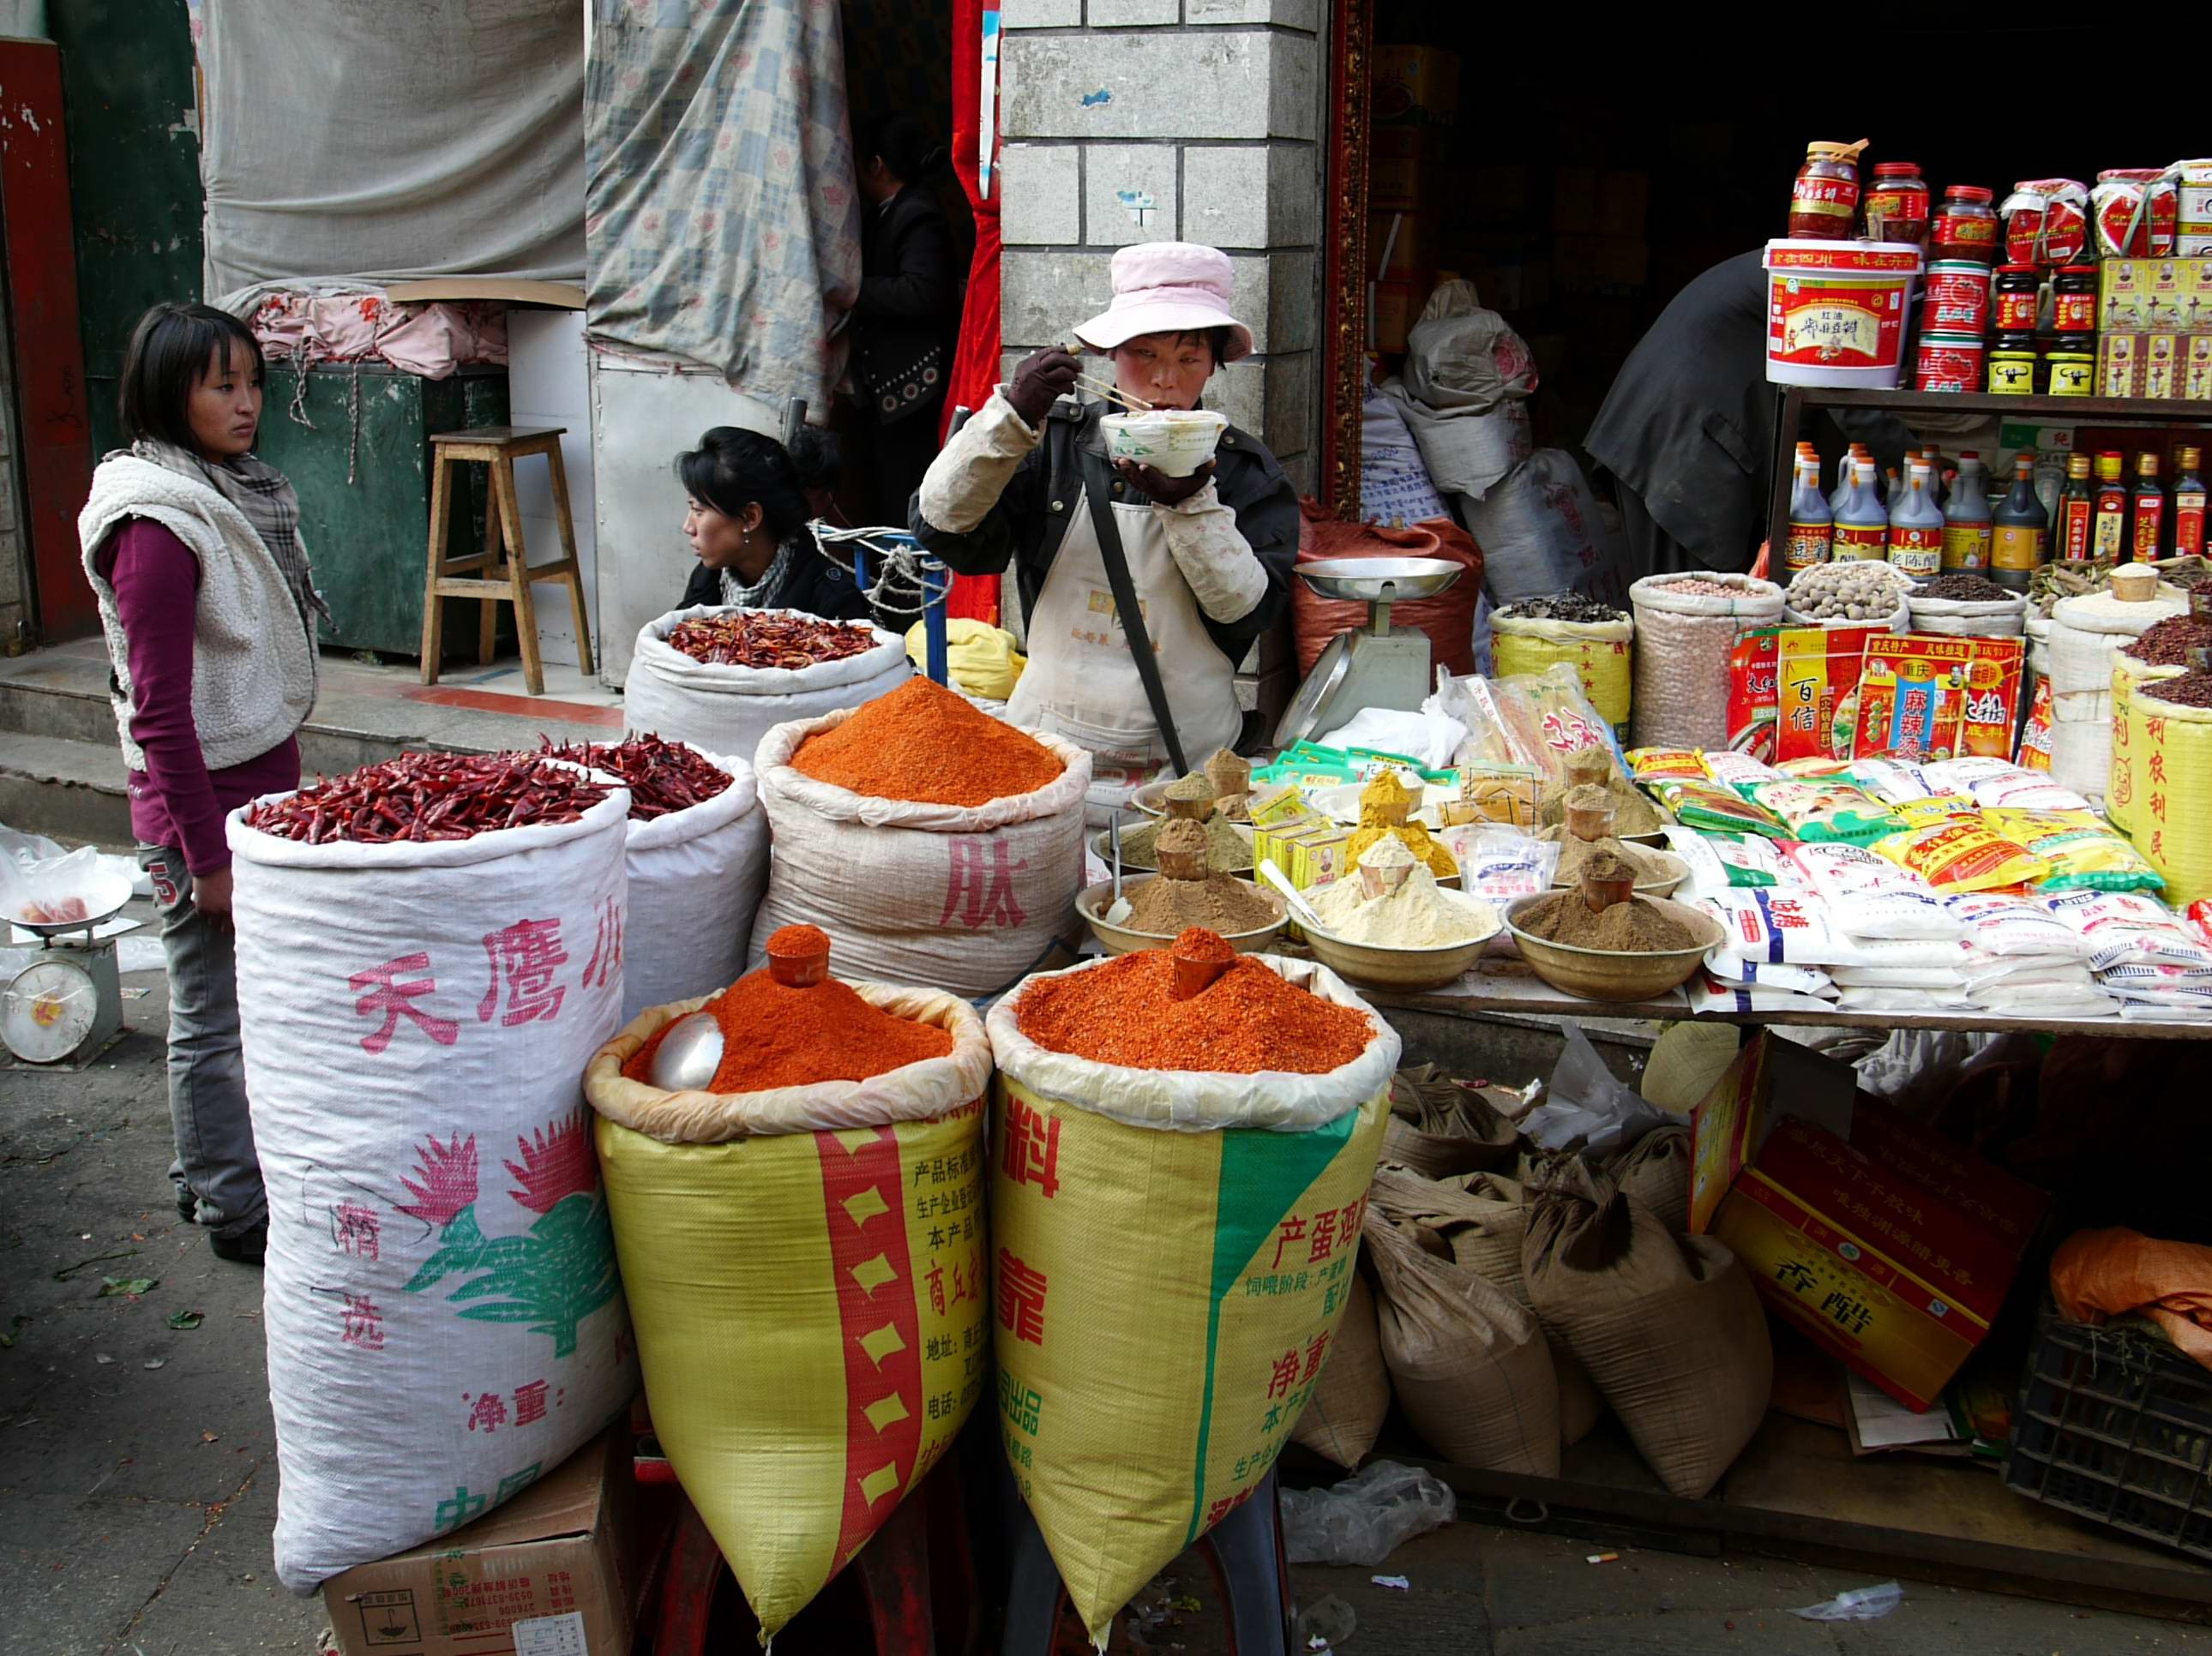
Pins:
x,y
2017,298
1966,227
1824,200
2074,300
1897,204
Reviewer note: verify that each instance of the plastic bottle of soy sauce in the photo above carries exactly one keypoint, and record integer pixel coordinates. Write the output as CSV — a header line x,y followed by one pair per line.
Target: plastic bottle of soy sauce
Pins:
x,y
2022,529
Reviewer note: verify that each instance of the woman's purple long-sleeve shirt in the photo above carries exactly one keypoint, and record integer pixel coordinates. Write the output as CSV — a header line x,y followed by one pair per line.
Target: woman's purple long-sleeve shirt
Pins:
x,y
176,800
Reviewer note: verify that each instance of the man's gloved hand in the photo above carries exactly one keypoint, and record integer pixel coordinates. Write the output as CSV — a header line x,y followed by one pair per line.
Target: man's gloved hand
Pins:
x,y
1042,378
1158,487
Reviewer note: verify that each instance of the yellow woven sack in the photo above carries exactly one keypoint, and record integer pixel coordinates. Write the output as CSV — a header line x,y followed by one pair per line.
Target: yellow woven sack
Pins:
x,y
1172,1254
2121,792
981,657
808,1270
1599,651
2169,751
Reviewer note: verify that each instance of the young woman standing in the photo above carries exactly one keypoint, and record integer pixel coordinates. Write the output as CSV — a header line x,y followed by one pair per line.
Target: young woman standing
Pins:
x,y
192,546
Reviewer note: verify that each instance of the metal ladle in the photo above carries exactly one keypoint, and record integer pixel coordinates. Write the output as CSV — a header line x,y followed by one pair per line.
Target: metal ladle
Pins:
x,y
691,1052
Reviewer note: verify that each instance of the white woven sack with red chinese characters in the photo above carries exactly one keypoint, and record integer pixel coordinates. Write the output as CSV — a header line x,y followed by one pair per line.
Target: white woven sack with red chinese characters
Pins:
x,y
728,709
444,1319
953,897
696,877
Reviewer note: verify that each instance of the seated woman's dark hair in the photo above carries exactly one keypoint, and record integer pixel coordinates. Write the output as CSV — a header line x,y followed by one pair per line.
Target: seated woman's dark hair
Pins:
x,y
905,148
732,469
170,352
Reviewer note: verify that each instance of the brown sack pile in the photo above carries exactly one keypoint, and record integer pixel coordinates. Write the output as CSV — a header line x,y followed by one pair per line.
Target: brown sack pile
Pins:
x,y
1470,1366
1670,1327
1441,1128
1344,1417
1655,1171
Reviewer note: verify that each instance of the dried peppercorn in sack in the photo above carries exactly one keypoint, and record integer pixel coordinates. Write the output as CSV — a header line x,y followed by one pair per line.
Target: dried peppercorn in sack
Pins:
x,y
1195,1227
807,1265
2169,743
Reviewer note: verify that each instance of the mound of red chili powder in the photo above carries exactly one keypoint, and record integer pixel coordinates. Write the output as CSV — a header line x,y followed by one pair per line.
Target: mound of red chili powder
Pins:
x,y
773,1036
923,743
1246,1020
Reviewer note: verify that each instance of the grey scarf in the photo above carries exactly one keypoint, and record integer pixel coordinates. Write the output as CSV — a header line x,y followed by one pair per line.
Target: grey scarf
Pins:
x,y
268,500
763,593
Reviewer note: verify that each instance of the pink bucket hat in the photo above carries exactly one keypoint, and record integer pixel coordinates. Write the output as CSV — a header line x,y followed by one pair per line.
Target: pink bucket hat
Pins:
x,y
1167,287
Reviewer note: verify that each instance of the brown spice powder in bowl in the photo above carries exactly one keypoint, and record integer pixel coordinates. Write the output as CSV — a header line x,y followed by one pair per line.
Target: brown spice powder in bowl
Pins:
x,y
1638,927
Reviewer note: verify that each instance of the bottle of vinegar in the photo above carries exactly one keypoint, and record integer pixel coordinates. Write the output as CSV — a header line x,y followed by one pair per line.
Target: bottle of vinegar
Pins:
x,y
1967,531
1812,521
1861,523
2023,530
1915,527
2189,504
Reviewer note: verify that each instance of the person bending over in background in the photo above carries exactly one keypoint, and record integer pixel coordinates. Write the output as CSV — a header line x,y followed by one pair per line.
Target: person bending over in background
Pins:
x,y
745,518
191,544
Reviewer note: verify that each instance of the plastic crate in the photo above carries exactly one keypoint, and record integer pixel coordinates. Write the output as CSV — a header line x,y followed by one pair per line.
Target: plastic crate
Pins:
x,y
2116,1425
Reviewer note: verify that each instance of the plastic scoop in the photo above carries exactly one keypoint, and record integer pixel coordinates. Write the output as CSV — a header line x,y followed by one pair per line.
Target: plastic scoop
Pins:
x,y
798,956
1601,892
1196,972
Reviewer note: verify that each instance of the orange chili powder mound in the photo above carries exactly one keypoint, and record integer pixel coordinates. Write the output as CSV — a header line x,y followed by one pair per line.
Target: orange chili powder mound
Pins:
x,y
922,743
1246,1020
1195,942
773,1036
798,940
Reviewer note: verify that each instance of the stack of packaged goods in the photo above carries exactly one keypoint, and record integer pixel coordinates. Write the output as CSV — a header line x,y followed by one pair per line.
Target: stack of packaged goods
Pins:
x,y
2159,965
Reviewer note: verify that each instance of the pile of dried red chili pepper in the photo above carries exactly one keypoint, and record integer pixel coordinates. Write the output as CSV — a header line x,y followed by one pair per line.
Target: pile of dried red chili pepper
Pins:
x,y
663,776
430,797
751,637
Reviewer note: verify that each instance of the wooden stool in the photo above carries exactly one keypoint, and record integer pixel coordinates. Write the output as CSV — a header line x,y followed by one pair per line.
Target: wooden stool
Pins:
x,y
502,572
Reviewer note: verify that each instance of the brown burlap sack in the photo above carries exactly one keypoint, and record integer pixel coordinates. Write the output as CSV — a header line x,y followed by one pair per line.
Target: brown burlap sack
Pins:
x,y
1470,1366
1655,1171
1440,1128
1344,1417
1670,1327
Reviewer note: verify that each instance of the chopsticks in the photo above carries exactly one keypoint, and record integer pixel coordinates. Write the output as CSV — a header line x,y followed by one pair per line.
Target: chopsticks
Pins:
x,y
1114,394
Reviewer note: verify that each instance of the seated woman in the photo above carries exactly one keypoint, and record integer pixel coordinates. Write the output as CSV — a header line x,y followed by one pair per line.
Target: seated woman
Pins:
x,y
746,520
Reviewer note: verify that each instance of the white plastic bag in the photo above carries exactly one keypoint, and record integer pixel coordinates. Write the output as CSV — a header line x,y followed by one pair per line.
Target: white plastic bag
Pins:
x,y
696,877
729,709
1367,1516
1541,532
1587,1109
443,1315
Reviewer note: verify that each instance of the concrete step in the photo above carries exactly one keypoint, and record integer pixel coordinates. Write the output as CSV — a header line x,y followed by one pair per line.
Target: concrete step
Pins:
x,y
65,789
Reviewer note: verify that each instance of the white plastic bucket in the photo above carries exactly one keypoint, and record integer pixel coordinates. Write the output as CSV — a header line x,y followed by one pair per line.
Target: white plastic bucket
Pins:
x,y
1836,311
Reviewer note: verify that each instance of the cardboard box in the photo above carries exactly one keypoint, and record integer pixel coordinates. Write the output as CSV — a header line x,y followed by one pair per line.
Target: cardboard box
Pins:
x,y
2118,372
1412,251
1887,1245
1417,83
2153,295
559,1554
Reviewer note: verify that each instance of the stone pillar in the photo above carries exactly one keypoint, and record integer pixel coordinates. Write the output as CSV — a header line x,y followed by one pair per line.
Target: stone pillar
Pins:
x,y
1165,120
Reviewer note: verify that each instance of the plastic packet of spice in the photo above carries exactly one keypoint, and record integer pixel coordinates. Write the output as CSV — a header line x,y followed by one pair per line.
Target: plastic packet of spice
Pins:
x,y
1709,805
1752,686
1667,764
1497,863
1794,925
2000,925
1734,972
2081,848
2035,750
1910,696
1739,770
1892,781
1719,861
1816,692
1963,856
2126,928
1823,812
1709,994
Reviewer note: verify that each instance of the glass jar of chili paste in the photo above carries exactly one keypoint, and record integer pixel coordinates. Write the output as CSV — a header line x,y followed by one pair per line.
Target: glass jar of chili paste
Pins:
x,y
1966,227
1826,198
2019,293
2074,292
1897,204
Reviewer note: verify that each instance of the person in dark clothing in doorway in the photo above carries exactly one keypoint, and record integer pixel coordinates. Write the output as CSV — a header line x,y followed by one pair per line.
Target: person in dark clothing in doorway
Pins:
x,y
1686,433
745,516
908,311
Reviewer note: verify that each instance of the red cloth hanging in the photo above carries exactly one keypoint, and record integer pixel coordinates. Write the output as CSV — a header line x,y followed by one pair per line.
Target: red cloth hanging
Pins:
x,y
975,354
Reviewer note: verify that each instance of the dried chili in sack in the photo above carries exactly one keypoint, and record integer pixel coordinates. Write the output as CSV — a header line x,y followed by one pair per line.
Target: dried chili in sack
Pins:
x,y
808,1271
1200,1229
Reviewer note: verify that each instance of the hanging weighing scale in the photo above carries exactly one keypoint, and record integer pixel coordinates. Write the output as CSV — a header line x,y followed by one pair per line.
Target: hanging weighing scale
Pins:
x,y
66,1006
1376,665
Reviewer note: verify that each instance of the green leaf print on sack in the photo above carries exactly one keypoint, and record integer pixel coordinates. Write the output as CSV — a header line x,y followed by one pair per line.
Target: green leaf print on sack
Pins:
x,y
551,1278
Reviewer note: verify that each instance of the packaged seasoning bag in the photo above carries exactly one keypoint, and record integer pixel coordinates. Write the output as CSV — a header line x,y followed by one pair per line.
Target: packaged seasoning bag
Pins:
x,y
2033,752
1819,770
2126,927
1872,896
1963,856
1709,994
1816,695
1989,709
1910,696
2017,927
1824,811
1893,780
2083,852
1666,764
1751,692
1936,809
1717,861
1500,863
1737,770
1709,805
1794,925
1769,974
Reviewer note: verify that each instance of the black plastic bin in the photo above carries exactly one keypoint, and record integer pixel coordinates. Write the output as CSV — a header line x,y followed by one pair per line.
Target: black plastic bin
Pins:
x,y
2116,1425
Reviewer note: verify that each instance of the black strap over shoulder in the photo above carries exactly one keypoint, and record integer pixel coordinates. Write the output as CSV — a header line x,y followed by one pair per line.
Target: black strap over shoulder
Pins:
x,y
1098,490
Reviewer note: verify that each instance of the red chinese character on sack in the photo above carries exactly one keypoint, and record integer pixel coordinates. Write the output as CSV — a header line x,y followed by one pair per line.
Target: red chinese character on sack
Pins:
x,y
1324,1236
935,1278
1292,1229
2157,766
381,993
1347,1222
358,1230
980,882
490,1412
1032,1149
1317,1349
607,947
526,954
969,1284
529,1403
1021,1299
1285,1374
364,1324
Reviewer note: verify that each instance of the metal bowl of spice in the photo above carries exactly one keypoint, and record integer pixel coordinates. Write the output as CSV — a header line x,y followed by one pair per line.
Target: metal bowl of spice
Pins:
x,y
1630,951
1128,937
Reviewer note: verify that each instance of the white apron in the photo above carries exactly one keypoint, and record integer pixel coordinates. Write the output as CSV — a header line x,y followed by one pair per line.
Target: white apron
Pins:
x,y
1082,682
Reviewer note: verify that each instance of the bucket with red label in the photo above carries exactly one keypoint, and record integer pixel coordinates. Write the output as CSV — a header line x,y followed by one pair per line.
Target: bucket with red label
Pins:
x,y
1949,361
1836,312
1957,298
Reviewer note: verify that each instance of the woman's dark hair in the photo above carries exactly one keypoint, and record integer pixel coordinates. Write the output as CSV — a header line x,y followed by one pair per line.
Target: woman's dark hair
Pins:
x,y
169,353
732,469
905,148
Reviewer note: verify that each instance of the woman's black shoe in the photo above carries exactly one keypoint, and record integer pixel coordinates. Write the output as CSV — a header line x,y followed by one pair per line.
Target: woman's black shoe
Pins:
x,y
248,1247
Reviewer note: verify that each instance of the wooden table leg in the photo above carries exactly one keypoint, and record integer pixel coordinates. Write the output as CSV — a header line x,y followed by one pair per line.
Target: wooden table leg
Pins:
x,y
494,545
433,605
559,471
518,569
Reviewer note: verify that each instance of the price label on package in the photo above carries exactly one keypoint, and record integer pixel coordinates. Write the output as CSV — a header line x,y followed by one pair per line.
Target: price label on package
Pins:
x,y
552,1635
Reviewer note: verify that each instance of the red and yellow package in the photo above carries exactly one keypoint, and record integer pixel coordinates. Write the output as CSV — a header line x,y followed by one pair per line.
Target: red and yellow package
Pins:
x,y
1818,693
1667,764
1910,696
1936,809
1990,709
1751,692
1962,856
2034,753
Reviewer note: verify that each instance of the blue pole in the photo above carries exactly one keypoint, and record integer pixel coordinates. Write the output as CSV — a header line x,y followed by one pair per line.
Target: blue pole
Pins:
x,y
936,583
860,565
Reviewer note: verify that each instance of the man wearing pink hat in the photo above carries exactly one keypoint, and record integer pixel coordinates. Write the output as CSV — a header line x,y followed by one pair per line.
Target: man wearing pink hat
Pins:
x,y
1204,560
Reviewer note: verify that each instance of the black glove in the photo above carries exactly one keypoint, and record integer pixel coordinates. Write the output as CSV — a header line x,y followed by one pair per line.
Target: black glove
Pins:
x,y
1157,486
1043,379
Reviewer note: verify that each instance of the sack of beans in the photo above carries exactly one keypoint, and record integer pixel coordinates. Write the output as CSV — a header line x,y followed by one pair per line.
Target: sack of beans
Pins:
x,y
2168,752
1686,629
804,1253
719,678
443,1315
1855,592
1962,604
697,853
933,844
1177,1188
2087,632
1669,1326
1350,1401
1595,638
2123,798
